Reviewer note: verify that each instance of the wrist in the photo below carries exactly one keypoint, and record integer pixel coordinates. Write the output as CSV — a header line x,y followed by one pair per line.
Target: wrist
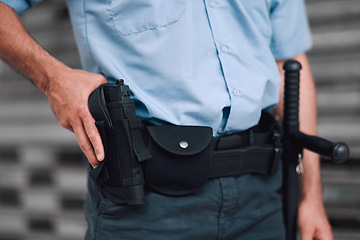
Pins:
x,y
311,190
51,73
311,187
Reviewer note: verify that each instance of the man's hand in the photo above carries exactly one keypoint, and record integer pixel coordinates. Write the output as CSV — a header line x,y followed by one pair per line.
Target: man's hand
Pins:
x,y
68,92
67,89
312,221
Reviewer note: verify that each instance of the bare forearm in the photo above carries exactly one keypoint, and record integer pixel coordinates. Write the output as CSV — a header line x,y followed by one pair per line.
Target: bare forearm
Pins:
x,y
310,180
19,50
67,89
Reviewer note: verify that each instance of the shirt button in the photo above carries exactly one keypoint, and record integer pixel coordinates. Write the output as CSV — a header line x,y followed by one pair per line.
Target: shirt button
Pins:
x,y
220,130
236,92
212,3
224,48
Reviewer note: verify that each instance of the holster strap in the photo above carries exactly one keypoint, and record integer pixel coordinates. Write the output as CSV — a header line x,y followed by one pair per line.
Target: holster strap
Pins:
x,y
136,129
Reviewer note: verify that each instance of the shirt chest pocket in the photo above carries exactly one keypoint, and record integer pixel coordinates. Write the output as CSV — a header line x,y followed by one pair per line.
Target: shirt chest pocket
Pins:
x,y
135,16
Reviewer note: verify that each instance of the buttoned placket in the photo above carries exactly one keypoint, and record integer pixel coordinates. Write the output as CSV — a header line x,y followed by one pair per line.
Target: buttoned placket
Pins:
x,y
223,49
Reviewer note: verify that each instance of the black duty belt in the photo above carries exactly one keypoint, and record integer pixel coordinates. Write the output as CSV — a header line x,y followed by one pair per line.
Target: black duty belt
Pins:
x,y
260,153
173,160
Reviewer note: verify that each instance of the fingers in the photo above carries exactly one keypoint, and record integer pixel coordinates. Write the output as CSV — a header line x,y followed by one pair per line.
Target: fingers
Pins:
x,y
307,228
88,137
310,235
85,144
93,134
317,231
306,234
312,221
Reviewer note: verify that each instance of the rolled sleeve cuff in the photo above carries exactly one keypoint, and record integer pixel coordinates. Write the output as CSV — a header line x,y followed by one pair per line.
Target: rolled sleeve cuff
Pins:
x,y
20,6
291,29
289,50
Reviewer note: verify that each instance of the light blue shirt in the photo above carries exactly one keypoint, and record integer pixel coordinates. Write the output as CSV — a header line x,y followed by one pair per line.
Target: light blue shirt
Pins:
x,y
191,62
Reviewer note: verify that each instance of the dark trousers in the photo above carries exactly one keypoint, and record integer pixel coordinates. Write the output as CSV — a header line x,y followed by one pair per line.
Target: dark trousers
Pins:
x,y
244,207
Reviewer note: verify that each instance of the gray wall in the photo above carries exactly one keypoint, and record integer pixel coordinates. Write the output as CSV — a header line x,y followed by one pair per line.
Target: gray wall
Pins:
x,y
43,173
335,61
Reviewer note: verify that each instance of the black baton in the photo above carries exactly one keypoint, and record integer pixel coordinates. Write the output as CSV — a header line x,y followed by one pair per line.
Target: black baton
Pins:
x,y
294,143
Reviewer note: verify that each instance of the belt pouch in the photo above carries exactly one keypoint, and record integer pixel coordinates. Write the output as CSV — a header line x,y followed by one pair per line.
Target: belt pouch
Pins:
x,y
120,175
181,156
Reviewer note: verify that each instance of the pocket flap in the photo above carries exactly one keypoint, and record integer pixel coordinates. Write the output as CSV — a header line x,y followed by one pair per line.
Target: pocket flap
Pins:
x,y
181,140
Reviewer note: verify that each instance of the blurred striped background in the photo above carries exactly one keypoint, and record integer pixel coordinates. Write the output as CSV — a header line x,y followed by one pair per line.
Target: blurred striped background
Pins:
x,y
43,172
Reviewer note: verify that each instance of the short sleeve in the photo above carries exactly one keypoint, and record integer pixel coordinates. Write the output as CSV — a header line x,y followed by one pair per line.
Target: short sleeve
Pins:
x,y
20,6
291,31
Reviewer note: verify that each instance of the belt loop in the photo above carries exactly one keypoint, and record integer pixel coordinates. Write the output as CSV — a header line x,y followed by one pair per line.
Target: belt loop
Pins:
x,y
277,152
251,137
